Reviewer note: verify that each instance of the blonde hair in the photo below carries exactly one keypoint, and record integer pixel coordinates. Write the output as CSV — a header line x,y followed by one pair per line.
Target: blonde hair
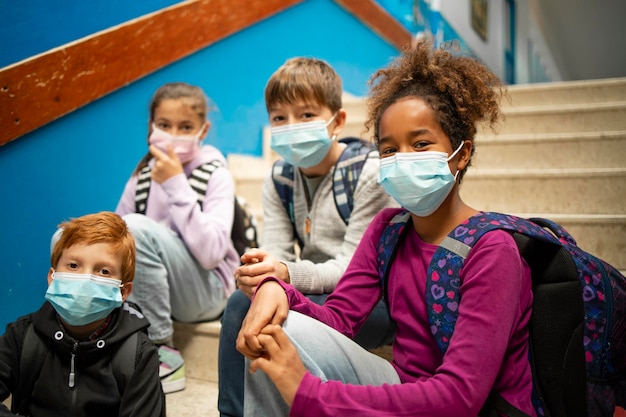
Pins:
x,y
103,227
310,80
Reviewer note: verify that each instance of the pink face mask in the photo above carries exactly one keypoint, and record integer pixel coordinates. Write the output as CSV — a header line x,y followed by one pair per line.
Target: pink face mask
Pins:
x,y
186,147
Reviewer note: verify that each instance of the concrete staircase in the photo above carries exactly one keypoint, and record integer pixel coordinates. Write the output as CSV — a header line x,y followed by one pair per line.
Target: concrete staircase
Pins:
x,y
560,154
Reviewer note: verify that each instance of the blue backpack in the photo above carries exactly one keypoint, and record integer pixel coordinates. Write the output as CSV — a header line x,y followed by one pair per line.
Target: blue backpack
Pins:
x,y
345,178
578,321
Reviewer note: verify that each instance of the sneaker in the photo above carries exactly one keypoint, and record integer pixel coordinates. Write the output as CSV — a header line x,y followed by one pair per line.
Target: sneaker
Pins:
x,y
171,369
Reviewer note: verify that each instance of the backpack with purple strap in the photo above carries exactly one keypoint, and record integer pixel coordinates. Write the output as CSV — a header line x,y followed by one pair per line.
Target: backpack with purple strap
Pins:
x,y
578,321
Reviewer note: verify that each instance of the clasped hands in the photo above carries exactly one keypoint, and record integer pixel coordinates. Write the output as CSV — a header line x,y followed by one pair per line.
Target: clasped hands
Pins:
x,y
261,338
258,264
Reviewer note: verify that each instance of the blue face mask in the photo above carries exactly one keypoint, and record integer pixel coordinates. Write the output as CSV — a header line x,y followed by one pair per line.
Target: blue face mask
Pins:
x,y
81,299
303,145
418,181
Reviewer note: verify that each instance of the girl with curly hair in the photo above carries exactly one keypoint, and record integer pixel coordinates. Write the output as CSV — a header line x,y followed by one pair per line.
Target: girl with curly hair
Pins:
x,y
424,110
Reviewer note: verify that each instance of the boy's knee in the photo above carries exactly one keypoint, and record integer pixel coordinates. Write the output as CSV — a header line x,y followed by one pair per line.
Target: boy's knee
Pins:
x,y
237,307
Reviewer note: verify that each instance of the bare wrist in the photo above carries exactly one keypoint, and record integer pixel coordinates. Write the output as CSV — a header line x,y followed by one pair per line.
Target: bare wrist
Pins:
x,y
285,273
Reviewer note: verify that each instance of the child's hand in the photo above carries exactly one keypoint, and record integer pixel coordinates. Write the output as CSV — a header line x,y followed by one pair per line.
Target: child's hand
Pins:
x,y
258,264
280,362
270,306
166,165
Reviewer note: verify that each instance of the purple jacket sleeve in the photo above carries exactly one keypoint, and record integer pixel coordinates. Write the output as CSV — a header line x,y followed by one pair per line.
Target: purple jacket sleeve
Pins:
x,y
489,347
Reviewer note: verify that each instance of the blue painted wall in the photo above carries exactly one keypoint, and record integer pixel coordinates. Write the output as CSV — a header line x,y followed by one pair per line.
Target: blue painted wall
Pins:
x,y
80,163
35,26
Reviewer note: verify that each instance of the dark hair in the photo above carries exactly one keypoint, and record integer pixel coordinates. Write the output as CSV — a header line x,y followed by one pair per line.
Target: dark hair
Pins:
x,y
194,96
460,91
311,80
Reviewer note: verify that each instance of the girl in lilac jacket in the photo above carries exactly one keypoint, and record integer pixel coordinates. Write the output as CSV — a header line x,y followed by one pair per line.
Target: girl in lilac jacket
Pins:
x,y
185,256
423,110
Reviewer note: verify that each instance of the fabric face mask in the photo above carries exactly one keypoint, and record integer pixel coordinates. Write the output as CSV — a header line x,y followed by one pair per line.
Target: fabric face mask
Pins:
x,y
418,181
186,147
81,299
302,145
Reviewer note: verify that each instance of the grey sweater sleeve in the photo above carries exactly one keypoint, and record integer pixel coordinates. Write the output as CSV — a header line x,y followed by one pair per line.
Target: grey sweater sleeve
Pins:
x,y
330,244
277,236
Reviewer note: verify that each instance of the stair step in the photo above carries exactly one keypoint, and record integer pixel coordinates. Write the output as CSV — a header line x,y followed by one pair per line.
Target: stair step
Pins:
x,y
198,398
567,191
570,92
198,343
596,117
573,118
551,150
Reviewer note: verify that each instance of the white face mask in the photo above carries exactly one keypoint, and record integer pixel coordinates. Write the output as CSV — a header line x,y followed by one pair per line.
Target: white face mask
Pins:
x,y
302,145
186,147
418,181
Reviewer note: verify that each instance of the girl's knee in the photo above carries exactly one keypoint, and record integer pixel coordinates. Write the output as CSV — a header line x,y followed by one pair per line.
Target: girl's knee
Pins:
x,y
136,221
299,327
142,227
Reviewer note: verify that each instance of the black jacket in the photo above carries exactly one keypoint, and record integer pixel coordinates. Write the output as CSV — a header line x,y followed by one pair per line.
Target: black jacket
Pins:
x,y
99,389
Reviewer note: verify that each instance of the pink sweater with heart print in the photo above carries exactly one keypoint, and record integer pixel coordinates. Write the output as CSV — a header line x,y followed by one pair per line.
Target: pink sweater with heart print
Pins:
x,y
489,347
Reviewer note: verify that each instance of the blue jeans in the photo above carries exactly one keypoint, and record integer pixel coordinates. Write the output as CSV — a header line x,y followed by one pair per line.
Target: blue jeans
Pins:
x,y
377,331
169,283
325,353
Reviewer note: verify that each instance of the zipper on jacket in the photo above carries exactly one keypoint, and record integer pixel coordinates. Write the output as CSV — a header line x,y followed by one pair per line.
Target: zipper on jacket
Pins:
x,y
72,377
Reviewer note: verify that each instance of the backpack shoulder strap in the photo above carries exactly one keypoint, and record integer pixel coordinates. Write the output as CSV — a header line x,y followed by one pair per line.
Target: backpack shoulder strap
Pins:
x,y
200,176
443,276
124,359
388,245
198,179
283,177
347,172
142,190
32,358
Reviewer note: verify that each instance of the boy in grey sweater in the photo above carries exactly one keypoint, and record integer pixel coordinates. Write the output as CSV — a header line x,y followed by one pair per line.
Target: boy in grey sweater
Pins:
x,y
307,244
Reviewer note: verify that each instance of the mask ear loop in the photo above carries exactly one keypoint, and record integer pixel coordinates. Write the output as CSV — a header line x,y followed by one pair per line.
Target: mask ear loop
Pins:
x,y
333,137
452,156
455,152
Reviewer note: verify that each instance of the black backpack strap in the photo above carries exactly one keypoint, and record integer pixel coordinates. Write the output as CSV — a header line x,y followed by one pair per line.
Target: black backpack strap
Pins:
x,y
347,172
123,361
142,190
32,357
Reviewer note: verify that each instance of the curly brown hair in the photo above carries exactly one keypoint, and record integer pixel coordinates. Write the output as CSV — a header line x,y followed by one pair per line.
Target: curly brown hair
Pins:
x,y
460,91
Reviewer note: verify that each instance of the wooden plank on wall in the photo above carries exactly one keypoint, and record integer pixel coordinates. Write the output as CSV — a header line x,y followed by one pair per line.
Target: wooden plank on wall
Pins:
x,y
43,88
379,20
